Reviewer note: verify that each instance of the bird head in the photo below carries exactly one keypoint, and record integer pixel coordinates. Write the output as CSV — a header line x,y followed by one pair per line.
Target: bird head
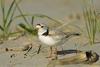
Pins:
x,y
39,26
41,29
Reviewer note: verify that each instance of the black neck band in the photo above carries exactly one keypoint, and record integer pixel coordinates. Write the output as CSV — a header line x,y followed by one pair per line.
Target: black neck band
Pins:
x,y
46,33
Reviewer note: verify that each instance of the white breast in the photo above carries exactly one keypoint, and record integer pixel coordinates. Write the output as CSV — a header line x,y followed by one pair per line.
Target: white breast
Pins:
x,y
47,40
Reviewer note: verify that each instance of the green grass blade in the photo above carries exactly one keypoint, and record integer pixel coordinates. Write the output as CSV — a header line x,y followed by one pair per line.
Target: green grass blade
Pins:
x,y
41,16
86,21
15,33
9,11
8,25
86,17
13,11
32,22
21,13
37,15
90,21
45,16
1,28
23,26
95,24
27,29
3,10
19,16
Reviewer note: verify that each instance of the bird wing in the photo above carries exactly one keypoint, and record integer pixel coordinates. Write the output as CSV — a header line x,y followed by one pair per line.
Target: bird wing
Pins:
x,y
58,35
62,35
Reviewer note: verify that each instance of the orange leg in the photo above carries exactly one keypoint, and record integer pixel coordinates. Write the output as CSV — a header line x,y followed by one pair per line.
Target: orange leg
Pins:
x,y
50,53
54,53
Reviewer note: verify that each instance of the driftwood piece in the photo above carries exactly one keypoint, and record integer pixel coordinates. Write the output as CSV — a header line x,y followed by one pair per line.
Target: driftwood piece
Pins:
x,y
80,57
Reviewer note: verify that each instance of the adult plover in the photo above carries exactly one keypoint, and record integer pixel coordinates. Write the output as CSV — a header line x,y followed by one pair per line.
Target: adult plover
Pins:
x,y
52,38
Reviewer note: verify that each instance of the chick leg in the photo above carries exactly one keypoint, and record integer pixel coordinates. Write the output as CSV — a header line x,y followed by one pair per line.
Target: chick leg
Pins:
x,y
54,53
50,52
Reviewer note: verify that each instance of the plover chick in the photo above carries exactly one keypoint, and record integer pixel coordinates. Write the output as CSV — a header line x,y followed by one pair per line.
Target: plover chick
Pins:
x,y
52,38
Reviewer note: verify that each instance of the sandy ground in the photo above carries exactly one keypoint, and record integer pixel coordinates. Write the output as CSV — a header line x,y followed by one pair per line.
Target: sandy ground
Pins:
x,y
18,59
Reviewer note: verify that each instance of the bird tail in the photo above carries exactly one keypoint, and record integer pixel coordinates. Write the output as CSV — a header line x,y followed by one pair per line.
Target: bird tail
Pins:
x,y
69,34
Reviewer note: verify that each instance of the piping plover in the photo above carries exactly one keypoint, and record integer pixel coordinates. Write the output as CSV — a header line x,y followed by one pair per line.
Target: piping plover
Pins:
x,y
52,38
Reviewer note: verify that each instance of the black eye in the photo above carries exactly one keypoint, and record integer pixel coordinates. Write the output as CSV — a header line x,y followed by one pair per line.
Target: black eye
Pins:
x,y
42,26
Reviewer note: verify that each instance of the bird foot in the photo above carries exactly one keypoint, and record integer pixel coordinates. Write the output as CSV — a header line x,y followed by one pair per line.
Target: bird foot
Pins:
x,y
52,57
48,56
